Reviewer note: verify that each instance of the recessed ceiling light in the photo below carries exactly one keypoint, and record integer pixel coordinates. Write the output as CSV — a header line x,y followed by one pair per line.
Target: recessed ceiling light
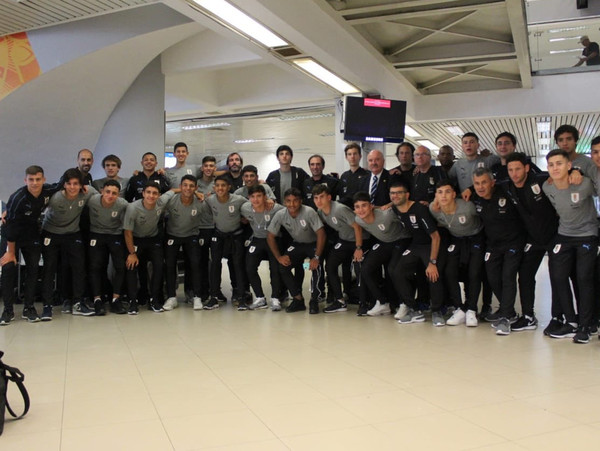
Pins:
x,y
208,125
409,131
242,22
301,117
252,140
455,130
428,144
325,75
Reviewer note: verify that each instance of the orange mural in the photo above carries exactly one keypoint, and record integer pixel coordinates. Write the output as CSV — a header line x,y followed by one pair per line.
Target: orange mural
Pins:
x,y
18,63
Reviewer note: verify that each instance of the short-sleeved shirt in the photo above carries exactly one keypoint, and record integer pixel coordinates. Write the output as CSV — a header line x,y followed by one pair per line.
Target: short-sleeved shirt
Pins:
x,y
243,191
62,215
206,188
575,208
462,170
99,184
340,219
106,220
463,222
174,174
227,215
142,221
585,165
303,228
386,226
419,222
183,220
259,221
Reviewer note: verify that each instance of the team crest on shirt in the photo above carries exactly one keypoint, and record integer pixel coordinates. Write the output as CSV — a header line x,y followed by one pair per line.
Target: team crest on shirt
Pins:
x,y
375,246
413,219
267,218
247,243
170,242
451,248
574,197
487,256
527,247
46,200
158,211
406,252
201,241
194,212
556,249
334,220
502,201
338,245
252,249
536,189
189,171
114,214
462,219
481,164
381,227
290,249
303,223
92,243
231,208
81,203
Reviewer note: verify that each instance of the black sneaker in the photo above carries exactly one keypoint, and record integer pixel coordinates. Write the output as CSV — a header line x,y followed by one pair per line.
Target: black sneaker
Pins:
x,y
313,306
156,307
242,306
524,323
492,317
30,314
67,307
212,304
133,308
582,335
336,306
297,305
554,325
221,297
594,329
46,313
99,307
363,309
118,307
82,309
565,331
7,317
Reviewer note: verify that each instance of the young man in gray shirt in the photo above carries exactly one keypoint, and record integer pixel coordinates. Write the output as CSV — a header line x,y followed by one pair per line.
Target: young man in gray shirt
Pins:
x,y
112,166
106,240
144,244
250,178
259,215
308,241
181,168
576,244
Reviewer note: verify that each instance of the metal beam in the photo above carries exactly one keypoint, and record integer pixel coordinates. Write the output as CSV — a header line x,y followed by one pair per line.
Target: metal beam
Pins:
x,y
454,33
425,13
448,65
390,7
452,52
497,75
518,25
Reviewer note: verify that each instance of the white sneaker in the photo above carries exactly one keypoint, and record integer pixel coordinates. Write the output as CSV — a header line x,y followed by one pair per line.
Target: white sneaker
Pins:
x,y
170,304
275,305
258,304
197,303
402,311
458,317
471,318
379,309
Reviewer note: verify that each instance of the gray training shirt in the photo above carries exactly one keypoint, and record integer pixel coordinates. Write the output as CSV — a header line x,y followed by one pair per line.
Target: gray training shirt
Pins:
x,y
260,221
386,227
184,220
462,170
575,208
243,191
106,220
226,215
99,184
303,228
174,174
340,219
62,215
464,222
143,222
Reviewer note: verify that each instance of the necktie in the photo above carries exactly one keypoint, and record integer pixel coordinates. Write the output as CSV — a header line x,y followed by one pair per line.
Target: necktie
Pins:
x,y
373,188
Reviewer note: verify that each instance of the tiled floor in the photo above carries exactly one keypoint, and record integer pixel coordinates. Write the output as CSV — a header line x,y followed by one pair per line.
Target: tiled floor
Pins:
x,y
259,380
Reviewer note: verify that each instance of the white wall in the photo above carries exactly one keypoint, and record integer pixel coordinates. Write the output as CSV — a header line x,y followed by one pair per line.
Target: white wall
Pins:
x,y
559,10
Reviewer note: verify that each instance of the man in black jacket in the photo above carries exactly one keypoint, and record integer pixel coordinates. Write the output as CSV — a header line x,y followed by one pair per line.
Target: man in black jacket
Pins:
x,y
287,176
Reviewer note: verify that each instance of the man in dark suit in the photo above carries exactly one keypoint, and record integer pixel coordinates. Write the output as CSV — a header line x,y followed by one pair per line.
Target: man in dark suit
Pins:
x,y
377,185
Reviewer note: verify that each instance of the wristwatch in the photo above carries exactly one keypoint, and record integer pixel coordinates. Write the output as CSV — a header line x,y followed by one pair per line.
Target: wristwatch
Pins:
x,y
317,257
433,261
359,248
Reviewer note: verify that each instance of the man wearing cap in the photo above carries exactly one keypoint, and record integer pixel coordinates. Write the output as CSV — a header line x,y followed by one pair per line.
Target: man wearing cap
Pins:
x,y
590,54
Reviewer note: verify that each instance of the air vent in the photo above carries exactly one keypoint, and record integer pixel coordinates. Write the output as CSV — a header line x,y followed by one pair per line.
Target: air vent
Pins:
x,y
288,52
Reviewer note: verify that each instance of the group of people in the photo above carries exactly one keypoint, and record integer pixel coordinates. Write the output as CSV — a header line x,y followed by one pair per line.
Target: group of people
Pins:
x,y
397,241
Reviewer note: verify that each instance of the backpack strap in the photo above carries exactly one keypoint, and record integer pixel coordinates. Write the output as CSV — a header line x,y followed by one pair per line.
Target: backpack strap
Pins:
x,y
15,375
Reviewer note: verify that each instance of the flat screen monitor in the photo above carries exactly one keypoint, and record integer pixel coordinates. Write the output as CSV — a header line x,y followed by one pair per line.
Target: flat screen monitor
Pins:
x,y
369,119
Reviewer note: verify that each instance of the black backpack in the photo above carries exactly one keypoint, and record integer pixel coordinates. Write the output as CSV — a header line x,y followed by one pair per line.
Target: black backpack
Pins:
x,y
9,373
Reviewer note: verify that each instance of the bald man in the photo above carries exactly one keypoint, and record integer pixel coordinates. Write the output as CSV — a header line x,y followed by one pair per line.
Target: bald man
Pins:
x,y
377,185
85,160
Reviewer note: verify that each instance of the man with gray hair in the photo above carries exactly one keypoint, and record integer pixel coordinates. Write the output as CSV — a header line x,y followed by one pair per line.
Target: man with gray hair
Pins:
x,y
425,177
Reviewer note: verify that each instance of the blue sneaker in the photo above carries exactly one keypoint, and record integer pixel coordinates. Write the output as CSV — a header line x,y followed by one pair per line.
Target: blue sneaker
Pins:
x,y
46,313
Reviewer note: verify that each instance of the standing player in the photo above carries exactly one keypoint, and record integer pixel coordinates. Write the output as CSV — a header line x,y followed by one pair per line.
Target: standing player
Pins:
x,y
112,166
351,180
287,176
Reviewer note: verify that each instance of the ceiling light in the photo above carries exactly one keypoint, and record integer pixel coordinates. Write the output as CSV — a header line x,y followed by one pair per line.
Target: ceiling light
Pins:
x,y
209,125
455,130
252,140
543,142
316,70
301,117
242,22
560,30
428,144
543,127
563,39
552,52
409,131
